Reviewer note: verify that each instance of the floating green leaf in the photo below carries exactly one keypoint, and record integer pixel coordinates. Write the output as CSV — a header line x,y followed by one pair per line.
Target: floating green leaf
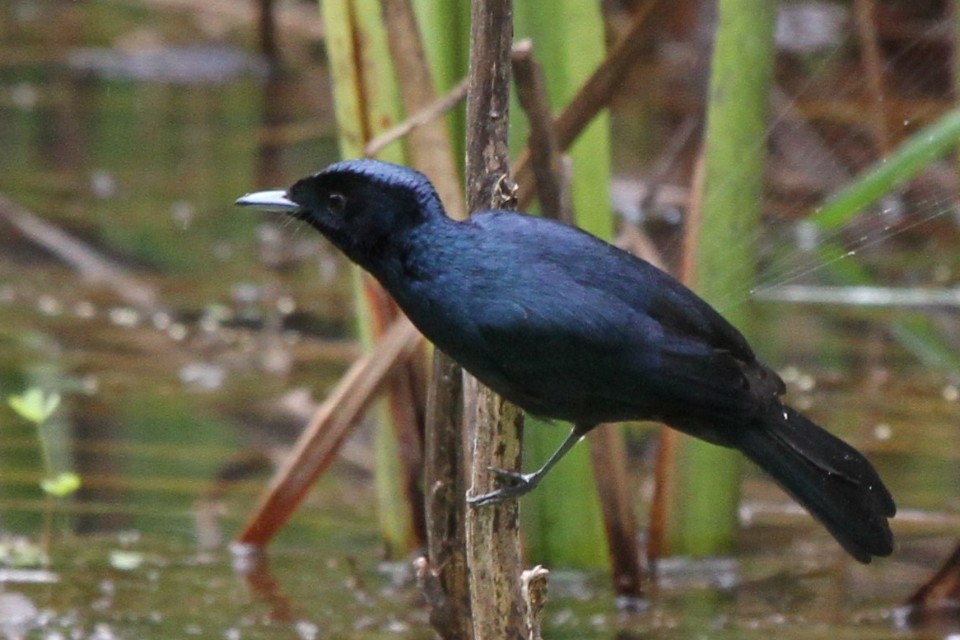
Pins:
x,y
62,485
34,405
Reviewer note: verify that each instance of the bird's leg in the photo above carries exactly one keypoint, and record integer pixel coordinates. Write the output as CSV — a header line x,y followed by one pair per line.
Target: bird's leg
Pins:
x,y
517,484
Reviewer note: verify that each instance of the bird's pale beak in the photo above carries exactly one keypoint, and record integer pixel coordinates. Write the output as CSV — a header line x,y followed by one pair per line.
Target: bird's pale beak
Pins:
x,y
268,201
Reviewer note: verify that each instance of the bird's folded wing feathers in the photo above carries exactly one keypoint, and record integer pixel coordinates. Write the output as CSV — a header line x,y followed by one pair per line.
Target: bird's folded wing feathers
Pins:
x,y
566,355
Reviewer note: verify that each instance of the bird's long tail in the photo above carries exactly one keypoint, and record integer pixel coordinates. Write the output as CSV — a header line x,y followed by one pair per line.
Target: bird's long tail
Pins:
x,y
831,479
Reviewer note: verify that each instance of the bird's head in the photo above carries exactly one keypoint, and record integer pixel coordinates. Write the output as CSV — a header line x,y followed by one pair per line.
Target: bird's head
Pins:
x,y
364,207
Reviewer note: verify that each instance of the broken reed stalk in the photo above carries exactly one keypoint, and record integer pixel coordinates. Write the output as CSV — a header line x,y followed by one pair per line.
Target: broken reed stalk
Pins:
x,y
319,444
534,588
493,540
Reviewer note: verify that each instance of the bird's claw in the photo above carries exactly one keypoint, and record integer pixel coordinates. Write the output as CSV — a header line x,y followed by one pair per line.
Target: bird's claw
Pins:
x,y
515,484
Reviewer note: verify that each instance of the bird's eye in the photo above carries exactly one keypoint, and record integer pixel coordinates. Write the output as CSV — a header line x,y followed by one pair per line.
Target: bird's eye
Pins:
x,y
336,202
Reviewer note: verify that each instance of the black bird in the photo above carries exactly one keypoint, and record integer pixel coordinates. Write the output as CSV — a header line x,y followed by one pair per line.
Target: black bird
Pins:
x,y
569,327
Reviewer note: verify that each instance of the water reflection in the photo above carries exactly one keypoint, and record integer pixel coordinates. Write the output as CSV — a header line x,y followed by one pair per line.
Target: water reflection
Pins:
x,y
130,285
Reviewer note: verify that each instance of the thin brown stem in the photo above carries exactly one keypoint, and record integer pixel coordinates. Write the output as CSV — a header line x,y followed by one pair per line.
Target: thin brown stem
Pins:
x,y
664,476
432,111
865,11
610,474
546,157
606,447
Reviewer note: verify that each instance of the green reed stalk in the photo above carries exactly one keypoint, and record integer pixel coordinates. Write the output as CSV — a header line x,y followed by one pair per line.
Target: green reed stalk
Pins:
x,y
562,521
366,103
703,505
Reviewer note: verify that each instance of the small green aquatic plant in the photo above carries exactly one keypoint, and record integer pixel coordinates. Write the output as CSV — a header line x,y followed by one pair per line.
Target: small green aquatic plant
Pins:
x,y
61,485
36,407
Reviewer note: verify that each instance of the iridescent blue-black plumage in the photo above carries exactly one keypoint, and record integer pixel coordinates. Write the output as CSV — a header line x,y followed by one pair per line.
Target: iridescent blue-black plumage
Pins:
x,y
570,327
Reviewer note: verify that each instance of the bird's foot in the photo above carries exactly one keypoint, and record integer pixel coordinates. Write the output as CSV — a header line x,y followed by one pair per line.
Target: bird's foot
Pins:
x,y
515,484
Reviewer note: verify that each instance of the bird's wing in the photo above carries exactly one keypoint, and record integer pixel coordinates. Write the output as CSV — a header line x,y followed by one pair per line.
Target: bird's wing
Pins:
x,y
589,350
573,263
585,321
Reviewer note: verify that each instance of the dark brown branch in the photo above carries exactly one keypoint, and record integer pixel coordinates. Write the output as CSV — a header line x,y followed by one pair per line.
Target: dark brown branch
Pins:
x,y
446,503
488,101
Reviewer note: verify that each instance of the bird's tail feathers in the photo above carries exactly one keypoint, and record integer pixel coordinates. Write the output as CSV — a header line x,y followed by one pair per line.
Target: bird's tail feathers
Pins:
x,y
831,479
